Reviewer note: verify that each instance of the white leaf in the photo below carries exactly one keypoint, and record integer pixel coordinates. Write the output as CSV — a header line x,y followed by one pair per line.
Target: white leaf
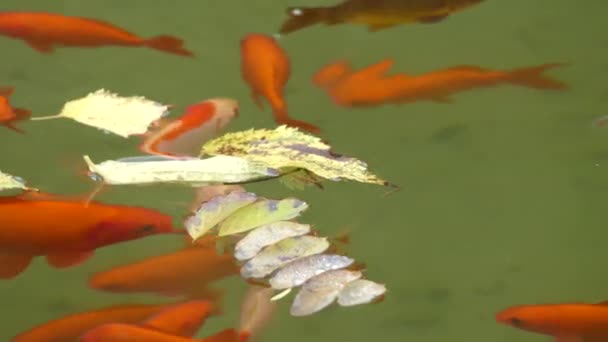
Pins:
x,y
124,116
191,171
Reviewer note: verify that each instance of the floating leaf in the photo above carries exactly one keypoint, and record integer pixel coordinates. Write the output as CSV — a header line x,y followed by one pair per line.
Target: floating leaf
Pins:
x,y
191,171
360,291
286,147
261,213
301,270
124,116
320,291
282,253
8,182
216,210
267,235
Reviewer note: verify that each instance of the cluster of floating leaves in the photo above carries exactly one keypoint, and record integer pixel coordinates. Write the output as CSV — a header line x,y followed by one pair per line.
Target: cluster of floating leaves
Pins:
x,y
239,158
283,252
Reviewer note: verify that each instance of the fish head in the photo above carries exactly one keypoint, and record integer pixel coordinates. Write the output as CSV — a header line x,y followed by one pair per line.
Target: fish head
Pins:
x,y
544,319
130,223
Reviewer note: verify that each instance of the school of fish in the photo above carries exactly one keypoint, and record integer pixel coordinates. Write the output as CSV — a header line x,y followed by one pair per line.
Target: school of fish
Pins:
x,y
67,230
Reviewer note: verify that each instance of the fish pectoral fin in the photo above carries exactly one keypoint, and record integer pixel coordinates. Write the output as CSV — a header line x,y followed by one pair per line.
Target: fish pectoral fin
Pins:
x,y
432,19
378,27
42,47
67,259
12,264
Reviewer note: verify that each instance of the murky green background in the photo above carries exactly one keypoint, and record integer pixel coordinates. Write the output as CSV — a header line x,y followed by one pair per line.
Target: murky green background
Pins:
x,y
504,190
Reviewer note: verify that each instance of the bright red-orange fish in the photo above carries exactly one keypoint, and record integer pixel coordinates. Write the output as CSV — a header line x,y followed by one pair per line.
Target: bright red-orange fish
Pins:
x,y
9,115
265,68
44,31
186,272
575,322
117,332
371,86
69,328
67,230
185,135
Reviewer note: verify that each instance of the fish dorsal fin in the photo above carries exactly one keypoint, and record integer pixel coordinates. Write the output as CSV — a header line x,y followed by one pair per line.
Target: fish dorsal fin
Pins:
x,y
46,196
603,303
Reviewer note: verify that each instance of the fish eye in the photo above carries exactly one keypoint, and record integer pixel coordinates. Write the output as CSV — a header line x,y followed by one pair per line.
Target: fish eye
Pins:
x,y
516,321
147,229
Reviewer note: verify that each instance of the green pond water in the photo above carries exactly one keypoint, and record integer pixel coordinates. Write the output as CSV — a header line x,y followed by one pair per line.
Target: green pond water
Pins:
x,y
504,190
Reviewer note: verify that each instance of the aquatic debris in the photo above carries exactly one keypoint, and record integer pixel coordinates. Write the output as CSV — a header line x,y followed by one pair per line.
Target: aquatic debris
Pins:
x,y
190,171
282,252
275,256
360,291
267,235
215,210
262,212
287,149
123,116
320,291
9,182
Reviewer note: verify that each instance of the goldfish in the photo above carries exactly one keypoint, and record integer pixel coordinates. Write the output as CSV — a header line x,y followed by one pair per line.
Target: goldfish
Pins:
x,y
68,230
118,332
371,86
376,14
70,327
8,114
44,31
186,272
185,135
265,67
570,322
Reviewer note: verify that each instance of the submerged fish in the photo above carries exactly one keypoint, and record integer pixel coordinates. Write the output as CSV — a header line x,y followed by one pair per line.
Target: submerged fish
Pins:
x,y
44,31
371,86
568,322
376,14
67,230
185,135
265,67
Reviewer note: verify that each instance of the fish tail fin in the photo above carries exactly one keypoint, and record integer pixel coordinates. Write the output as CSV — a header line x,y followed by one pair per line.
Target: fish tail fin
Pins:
x,y
282,118
168,44
302,17
11,265
533,77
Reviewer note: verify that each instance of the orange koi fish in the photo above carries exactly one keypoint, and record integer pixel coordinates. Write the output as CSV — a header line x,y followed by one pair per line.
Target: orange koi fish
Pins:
x,y
370,86
9,115
376,14
575,322
186,272
117,332
66,230
185,135
265,68
44,31
70,327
